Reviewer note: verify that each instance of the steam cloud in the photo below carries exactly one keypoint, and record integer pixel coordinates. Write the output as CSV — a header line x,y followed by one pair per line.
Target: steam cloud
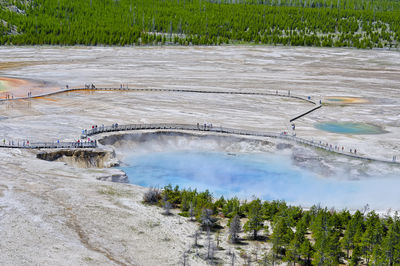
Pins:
x,y
208,163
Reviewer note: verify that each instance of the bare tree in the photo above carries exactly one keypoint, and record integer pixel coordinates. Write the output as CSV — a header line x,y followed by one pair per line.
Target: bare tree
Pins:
x,y
152,195
206,219
191,211
196,237
365,209
210,246
185,257
234,229
249,260
233,256
167,207
217,238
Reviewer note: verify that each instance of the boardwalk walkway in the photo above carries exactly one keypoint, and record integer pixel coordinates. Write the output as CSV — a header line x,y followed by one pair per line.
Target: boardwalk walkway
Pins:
x,y
49,145
305,113
272,93
181,127
224,130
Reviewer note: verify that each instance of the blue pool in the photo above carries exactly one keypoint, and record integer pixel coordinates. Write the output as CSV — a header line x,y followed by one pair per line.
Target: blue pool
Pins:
x,y
349,128
269,177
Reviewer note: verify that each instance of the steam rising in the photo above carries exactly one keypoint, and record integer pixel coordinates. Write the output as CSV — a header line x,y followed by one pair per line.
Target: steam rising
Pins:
x,y
223,166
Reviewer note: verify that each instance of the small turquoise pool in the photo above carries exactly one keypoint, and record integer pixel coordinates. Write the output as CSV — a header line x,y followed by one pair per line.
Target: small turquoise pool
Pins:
x,y
336,100
350,128
270,177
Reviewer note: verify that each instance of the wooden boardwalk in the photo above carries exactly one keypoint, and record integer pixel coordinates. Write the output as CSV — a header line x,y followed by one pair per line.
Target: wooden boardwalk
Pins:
x,y
232,131
272,93
187,127
306,113
49,145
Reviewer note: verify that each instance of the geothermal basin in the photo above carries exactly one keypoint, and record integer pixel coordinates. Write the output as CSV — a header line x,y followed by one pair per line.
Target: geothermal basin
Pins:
x,y
244,168
63,214
248,69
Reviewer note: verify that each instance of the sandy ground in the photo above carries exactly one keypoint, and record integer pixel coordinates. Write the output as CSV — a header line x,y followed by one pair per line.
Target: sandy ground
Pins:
x,y
51,213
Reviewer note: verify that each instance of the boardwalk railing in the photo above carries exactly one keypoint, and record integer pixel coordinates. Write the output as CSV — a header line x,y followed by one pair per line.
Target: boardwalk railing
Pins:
x,y
272,93
305,113
224,130
115,128
50,145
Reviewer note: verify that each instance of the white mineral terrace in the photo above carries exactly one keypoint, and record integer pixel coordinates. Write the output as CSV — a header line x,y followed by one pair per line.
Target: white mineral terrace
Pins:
x,y
52,213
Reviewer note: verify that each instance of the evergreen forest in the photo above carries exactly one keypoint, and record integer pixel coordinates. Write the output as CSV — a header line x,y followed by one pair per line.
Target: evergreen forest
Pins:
x,y
316,236
319,23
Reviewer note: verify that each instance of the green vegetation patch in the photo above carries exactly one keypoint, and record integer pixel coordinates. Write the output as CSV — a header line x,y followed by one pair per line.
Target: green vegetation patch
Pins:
x,y
350,23
317,236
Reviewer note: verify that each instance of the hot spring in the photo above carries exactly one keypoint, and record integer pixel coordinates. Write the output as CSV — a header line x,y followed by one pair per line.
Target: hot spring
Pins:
x,y
344,100
350,128
264,175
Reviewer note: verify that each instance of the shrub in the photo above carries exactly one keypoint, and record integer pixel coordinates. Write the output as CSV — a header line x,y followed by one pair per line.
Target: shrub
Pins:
x,y
152,196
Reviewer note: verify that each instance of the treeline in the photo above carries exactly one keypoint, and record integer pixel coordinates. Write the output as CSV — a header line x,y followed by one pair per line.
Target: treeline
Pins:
x,y
327,23
317,236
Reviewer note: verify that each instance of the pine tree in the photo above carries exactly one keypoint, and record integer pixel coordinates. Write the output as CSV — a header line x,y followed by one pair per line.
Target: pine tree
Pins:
x,y
255,222
234,228
352,233
391,244
281,236
372,236
306,251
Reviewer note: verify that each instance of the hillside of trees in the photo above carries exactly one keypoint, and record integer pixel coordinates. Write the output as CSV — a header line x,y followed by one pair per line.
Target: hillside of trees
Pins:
x,y
318,236
326,23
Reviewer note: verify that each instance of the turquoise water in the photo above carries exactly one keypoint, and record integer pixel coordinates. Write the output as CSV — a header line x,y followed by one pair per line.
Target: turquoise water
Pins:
x,y
350,128
269,177
335,100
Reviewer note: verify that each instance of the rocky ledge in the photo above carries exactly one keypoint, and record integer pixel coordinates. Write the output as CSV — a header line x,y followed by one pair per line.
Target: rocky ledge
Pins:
x,y
84,158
